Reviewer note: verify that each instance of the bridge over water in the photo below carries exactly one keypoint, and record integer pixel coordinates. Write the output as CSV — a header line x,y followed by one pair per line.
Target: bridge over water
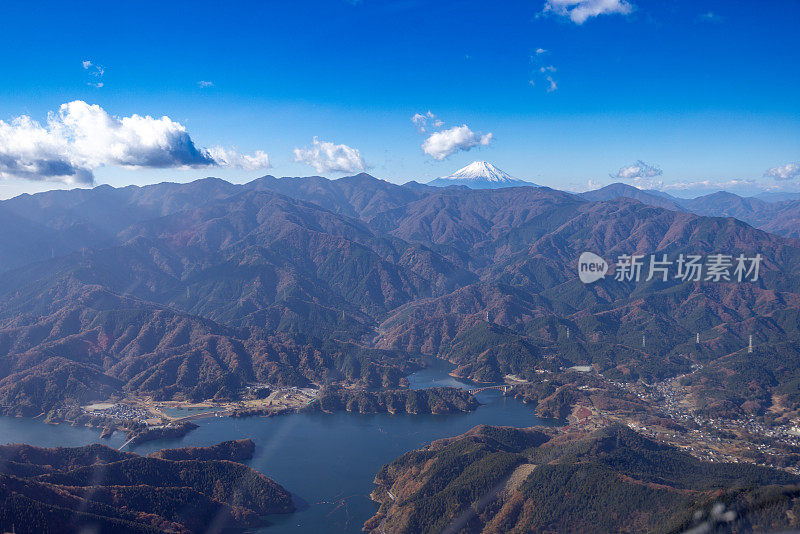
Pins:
x,y
501,387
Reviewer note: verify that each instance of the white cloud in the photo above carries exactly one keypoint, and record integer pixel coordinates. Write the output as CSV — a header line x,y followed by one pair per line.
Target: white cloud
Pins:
x,y
710,184
580,10
593,184
544,71
205,83
325,157
444,143
589,185
709,16
96,71
231,158
420,120
790,171
638,169
79,138
641,174
426,121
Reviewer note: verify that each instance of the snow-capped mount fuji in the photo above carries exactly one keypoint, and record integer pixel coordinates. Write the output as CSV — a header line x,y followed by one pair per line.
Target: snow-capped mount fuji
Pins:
x,y
480,175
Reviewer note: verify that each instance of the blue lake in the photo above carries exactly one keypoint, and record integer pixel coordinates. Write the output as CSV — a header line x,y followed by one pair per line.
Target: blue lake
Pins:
x,y
328,461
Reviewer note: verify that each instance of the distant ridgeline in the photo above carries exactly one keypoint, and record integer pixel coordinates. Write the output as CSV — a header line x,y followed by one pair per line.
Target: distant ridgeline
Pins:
x,y
193,291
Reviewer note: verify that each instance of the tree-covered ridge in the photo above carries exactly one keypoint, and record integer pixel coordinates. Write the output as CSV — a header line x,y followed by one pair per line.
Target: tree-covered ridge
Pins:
x,y
765,382
433,400
95,487
496,479
235,451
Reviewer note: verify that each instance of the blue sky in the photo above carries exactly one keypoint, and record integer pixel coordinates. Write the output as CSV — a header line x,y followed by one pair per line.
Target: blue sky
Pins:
x,y
704,93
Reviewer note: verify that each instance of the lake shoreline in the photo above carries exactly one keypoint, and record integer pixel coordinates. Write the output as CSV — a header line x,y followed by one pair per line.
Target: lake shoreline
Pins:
x,y
349,448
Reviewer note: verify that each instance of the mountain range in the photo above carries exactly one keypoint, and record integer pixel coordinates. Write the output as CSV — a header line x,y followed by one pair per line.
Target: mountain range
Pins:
x,y
195,290
775,213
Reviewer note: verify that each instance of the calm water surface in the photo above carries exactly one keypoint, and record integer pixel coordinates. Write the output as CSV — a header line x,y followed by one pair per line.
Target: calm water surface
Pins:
x,y
328,461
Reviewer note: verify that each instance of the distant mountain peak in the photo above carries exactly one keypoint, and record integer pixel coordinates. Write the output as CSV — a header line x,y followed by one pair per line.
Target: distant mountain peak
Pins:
x,y
480,175
650,197
481,170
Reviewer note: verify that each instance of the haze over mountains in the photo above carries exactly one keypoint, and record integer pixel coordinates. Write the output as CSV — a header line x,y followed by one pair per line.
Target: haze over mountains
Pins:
x,y
193,290
775,213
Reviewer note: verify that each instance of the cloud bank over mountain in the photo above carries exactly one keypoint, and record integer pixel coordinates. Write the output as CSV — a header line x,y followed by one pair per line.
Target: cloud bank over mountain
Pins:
x,y
80,137
789,171
326,156
642,175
